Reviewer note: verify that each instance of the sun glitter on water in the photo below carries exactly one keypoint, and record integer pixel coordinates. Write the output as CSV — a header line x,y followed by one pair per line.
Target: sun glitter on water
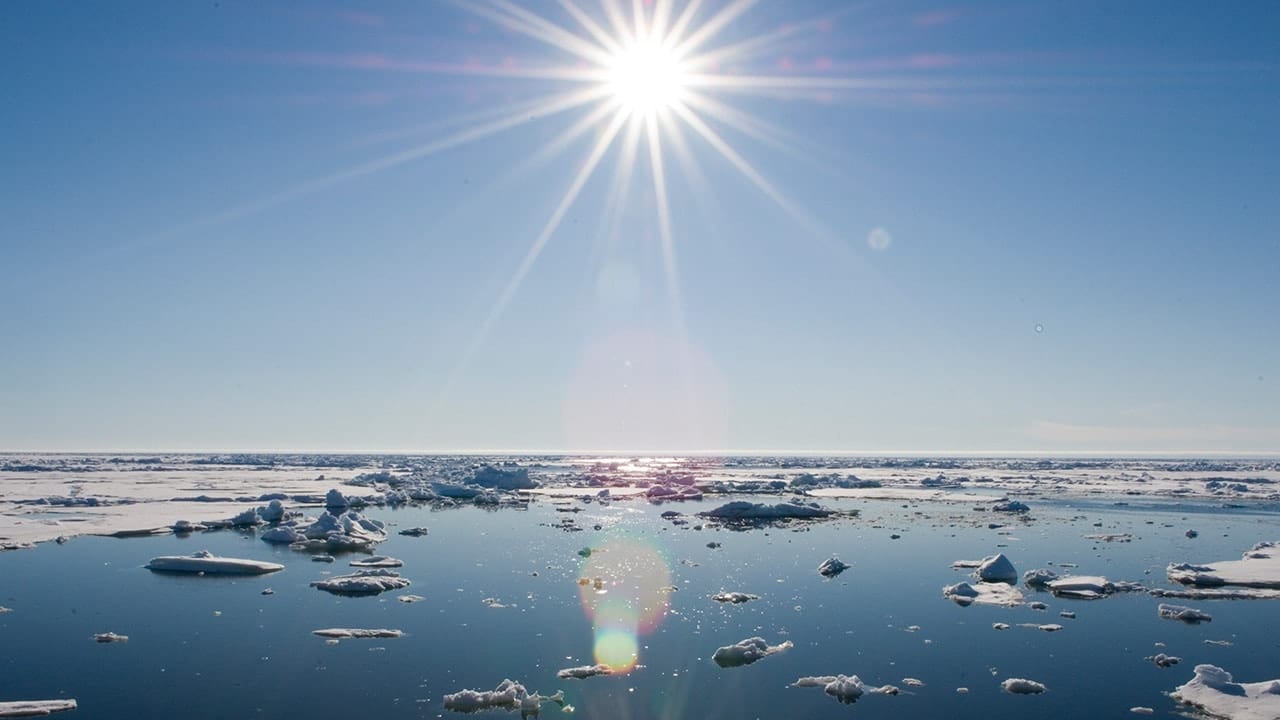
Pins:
x,y
624,591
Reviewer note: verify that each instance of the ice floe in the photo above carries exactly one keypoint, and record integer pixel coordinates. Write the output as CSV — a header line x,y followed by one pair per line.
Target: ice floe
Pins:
x,y
996,568
1022,686
1186,614
584,672
1259,568
1011,506
734,598
354,633
410,598
34,708
1162,660
1214,692
362,582
210,564
983,593
744,510
832,567
845,689
1089,587
1038,578
748,651
509,695
345,531
109,637
377,561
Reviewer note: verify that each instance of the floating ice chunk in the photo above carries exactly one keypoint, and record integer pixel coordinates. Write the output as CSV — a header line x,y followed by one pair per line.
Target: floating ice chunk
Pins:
x,y
983,593
743,510
1011,506
584,672
414,532
335,500
109,637
673,492
410,598
210,564
352,633
509,695
832,567
1213,692
1022,686
845,689
362,582
1162,660
1260,568
913,682
499,479
734,597
186,526
1110,537
1218,593
34,708
999,626
282,535
247,518
455,491
1038,578
378,561
1089,587
996,568
747,651
4,609
1140,710
964,564
1186,614
273,512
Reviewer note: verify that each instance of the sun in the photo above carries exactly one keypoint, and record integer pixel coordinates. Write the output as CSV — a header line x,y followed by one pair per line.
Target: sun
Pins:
x,y
646,77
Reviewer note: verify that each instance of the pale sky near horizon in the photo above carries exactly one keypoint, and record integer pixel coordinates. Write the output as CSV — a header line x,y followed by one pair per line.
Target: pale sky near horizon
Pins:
x,y
899,227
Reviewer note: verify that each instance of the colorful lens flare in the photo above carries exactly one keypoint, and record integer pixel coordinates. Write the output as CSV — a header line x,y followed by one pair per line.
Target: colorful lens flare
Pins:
x,y
624,589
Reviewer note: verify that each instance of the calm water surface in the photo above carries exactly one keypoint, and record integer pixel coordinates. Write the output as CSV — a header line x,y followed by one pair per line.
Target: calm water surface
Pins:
x,y
216,647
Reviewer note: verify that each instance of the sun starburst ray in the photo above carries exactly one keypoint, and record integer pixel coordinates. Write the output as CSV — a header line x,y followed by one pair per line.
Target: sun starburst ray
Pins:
x,y
678,28
664,219
661,16
744,122
535,26
592,27
618,20
713,26
562,140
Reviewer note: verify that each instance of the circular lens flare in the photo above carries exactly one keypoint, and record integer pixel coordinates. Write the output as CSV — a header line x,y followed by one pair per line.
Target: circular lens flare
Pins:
x,y
624,587
617,649
646,77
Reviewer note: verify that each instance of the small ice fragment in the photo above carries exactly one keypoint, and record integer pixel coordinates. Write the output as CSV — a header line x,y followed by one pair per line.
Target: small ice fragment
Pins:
x,y
1068,614
1039,578
983,593
110,637
962,690
322,558
1037,605
4,609
747,651
1185,614
1140,710
912,682
1022,686
913,628
1162,660
377,561
414,532
734,597
845,689
350,633
32,708
999,626
210,564
743,510
268,591
1192,534
493,602
584,672
832,567
410,598
1011,506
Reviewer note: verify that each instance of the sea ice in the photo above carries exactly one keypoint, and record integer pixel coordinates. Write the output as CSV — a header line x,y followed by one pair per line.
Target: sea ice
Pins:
x,y
110,637
509,695
1260,568
983,593
832,567
410,598
1162,660
1022,686
1038,578
996,568
210,564
584,672
743,510
1011,506
1213,692
1089,587
1185,614
734,597
747,651
34,708
377,561
352,633
362,582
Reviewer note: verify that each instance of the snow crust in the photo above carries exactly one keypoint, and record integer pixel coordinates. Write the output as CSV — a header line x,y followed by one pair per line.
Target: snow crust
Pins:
x,y
745,652
34,708
210,564
1214,692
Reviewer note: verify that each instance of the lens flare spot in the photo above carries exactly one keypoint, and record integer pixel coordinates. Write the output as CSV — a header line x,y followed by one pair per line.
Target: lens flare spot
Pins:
x,y
635,578
617,649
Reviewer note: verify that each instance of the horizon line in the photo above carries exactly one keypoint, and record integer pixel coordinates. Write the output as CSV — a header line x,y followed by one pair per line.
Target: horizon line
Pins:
x,y
769,452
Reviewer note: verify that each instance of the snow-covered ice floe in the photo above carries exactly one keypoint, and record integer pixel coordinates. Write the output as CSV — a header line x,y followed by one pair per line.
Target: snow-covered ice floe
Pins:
x,y
363,582
110,637
377,561
1212,691
344,531
1259,568
210,564
734,598
747,651
1022,686
355,633
983,593
845,689
744,510
1089,587
832,567
996,569
34,708
584,672
1185,614
509,695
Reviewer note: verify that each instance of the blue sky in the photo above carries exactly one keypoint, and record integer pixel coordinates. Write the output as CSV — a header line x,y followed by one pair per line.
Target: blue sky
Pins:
x,y
244,225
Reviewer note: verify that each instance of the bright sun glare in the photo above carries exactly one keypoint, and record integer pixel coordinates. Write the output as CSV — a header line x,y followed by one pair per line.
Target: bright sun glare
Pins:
x,y
646,77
